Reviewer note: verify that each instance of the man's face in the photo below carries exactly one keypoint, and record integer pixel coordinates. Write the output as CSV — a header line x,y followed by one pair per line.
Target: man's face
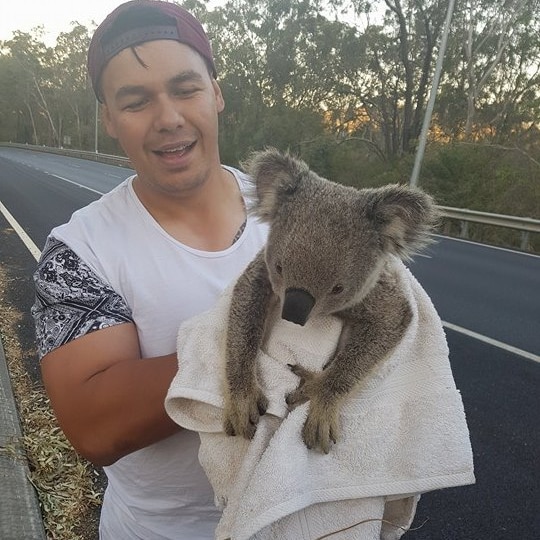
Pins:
x,y
162,105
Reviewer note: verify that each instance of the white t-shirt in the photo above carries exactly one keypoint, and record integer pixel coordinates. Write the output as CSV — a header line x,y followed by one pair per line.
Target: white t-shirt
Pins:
x,y
141,274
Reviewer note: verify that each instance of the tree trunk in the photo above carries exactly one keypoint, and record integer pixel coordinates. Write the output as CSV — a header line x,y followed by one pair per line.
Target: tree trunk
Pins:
x,y
45,108
34,130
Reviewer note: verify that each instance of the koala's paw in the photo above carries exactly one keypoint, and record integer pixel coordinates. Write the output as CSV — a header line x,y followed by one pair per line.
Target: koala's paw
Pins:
x,y
321,427
306,387
242,412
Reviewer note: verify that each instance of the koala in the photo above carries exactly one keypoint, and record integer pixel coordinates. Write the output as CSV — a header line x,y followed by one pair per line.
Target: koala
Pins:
x,y
327,254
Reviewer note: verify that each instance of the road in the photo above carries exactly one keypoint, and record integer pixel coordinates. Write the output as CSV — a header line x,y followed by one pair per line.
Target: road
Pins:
x,y
488,298
494,292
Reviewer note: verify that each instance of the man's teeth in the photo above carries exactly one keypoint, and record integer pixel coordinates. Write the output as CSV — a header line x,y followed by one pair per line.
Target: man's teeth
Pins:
x,y
179,149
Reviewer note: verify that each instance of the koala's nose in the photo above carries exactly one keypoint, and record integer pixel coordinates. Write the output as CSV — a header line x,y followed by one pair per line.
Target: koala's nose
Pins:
x,y
297,306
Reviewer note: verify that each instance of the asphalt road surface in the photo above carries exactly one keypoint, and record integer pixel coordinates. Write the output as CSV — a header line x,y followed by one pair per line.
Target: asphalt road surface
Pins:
x,y
488,298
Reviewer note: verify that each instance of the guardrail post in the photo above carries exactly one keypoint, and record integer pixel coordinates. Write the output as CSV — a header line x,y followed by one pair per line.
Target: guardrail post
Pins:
x,y
464,229
525,240
447,227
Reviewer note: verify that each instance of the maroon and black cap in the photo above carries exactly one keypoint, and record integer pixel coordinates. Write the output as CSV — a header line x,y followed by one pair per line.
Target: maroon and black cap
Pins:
x,y
138,21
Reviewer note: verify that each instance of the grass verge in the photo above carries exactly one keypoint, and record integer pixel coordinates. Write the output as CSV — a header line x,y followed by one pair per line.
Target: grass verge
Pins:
x,y
67,485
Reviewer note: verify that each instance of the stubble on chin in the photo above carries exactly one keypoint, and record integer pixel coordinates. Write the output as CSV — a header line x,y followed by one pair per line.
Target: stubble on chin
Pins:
x,y
181,187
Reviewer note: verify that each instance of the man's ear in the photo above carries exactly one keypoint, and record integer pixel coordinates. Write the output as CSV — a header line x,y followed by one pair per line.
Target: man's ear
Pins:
x,y
107,121
220,102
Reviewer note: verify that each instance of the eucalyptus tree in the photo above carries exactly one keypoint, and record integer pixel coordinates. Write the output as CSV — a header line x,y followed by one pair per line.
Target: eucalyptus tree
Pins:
x,y
400,39
74,96
27,60
279,63
285,62
493,62
10,103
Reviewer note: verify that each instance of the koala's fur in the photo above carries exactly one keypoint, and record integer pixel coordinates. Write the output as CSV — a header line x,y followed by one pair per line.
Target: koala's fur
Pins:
x,y
326,254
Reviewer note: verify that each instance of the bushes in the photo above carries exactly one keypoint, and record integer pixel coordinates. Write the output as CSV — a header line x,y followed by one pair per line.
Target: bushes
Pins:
x,y
486,178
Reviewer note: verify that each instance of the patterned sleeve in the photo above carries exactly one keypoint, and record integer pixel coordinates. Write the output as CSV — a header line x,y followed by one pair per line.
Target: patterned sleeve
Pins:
x,y
71,300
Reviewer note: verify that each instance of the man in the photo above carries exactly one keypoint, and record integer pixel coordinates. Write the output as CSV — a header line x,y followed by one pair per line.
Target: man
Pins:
x,y
114,284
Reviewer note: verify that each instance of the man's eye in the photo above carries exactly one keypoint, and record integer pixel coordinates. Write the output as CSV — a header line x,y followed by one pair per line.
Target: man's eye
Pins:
x,y
135,105
185,92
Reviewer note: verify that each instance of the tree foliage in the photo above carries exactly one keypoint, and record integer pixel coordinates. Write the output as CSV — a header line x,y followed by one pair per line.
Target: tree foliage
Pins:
x,y
340,82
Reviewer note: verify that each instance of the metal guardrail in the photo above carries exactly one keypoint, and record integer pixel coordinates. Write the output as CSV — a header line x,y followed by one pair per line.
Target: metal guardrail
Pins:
x,y
82,154
513,222
523,224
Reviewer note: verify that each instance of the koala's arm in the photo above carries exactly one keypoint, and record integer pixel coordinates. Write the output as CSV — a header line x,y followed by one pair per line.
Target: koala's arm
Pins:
x,y
371,331
244,400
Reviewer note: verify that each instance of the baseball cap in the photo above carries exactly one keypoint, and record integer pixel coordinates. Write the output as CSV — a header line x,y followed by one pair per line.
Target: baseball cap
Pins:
x,y
138,21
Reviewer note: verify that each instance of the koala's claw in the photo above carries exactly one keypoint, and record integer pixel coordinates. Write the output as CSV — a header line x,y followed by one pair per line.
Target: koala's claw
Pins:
x,y
302,372
241,415
295,398
319,433
305,387
262,405
229,428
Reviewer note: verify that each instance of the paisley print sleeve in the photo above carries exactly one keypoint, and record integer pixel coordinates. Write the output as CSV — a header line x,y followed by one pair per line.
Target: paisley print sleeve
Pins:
x,y
71,299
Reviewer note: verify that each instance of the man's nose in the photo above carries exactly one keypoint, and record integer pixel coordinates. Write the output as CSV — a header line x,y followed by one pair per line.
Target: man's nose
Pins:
x,y
168,115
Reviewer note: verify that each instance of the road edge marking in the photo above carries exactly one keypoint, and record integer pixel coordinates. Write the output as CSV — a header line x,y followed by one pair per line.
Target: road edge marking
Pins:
x,y
491,341
34,250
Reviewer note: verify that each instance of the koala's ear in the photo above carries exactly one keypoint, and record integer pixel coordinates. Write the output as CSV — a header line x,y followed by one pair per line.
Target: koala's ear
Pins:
x,y
276,176
403,217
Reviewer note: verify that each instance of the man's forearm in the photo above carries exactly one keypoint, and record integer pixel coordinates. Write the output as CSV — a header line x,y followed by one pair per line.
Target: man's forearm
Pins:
x,y
128,412
108,401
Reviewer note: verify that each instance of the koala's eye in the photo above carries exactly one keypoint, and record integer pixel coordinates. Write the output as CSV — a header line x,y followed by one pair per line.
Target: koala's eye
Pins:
x,y
337,289
279,269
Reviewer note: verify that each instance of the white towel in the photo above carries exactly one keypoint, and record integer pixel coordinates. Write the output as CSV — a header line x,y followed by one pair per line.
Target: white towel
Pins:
x,y
403,431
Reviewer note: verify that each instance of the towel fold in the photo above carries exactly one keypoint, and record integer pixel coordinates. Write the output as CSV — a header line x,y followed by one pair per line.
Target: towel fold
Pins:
x,y
403,431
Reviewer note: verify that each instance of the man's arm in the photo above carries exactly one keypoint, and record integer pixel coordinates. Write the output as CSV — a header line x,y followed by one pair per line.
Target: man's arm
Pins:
x,y
109,402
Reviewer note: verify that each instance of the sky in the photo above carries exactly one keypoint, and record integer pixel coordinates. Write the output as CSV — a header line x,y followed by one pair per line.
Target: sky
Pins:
x,y
55,15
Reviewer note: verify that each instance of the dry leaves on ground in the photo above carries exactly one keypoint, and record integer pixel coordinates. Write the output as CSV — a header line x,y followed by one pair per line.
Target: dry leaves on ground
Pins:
x,y
66,484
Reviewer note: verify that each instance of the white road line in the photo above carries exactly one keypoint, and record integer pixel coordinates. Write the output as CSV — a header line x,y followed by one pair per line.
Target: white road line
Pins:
x,y
34,250
36,254
491,341
76,184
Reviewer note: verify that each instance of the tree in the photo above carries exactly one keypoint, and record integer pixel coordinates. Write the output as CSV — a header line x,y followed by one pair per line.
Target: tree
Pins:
x,y
275,72
75,90
492,70
400,45
340,81
31,60
492,36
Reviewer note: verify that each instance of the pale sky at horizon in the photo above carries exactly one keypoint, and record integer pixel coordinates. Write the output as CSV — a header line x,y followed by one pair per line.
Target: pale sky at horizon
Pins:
x,y
55,16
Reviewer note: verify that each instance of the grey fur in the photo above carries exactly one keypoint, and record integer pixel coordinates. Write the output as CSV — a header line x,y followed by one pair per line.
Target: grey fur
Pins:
x,y
333,242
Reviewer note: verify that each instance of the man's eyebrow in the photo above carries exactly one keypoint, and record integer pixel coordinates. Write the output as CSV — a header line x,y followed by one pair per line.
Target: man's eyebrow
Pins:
x,y
129,90
186,76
